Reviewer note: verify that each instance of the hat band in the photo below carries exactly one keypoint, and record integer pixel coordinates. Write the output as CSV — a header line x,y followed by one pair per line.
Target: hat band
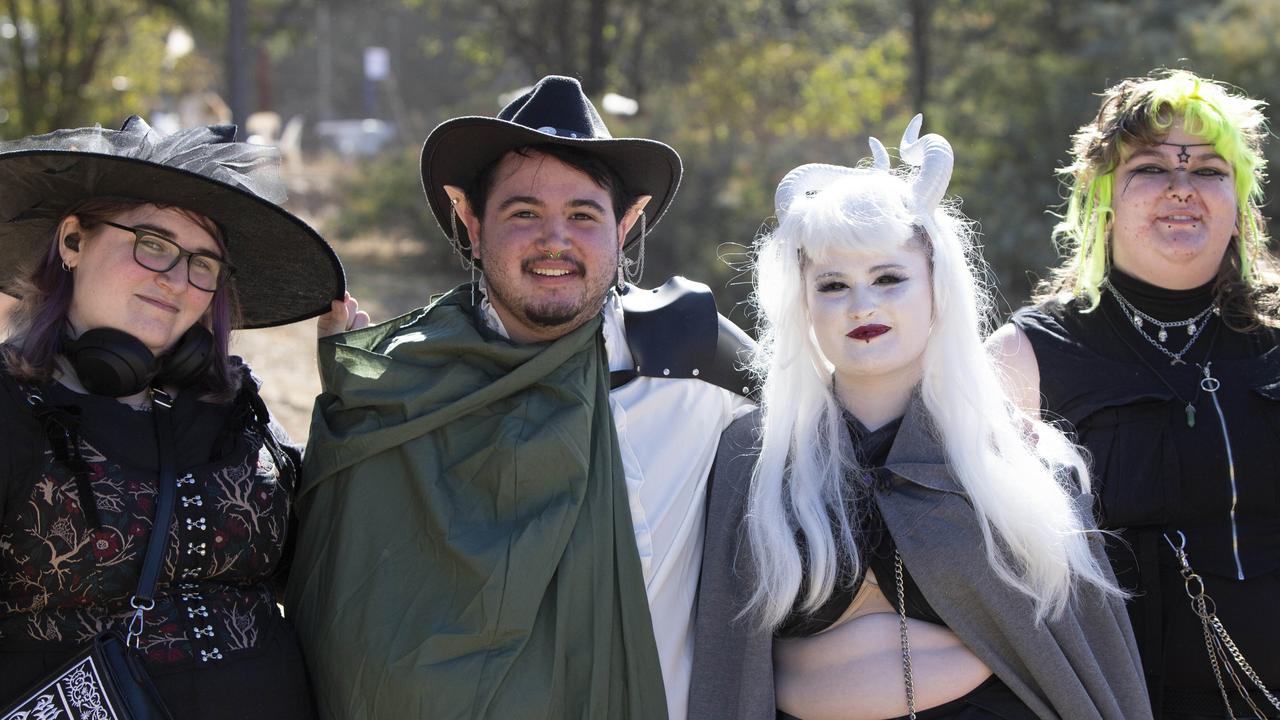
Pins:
x,y
559,132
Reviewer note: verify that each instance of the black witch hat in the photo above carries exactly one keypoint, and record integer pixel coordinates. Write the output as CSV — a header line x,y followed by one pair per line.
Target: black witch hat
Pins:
x,y
285,271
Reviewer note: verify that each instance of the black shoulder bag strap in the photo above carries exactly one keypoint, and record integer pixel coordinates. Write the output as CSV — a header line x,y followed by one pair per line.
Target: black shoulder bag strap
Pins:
x,y
107,672
144,596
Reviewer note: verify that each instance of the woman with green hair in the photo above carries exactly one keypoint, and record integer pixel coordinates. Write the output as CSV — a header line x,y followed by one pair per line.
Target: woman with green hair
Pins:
x,y
1155,340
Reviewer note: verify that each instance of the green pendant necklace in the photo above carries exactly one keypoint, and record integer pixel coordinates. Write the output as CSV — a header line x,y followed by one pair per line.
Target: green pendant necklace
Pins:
x,y
1189,406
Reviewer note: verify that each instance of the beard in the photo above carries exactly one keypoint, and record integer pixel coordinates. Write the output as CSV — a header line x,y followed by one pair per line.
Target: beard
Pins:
x,y
552,316
564,310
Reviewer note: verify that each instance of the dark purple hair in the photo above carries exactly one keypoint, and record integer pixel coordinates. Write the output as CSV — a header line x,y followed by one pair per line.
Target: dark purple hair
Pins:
x,y
39,321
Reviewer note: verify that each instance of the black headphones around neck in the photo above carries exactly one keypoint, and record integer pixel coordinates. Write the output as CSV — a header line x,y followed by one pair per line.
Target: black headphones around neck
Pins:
x,y
114,363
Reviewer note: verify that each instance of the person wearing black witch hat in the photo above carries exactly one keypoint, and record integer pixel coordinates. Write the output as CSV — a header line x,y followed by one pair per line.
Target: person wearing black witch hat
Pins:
x,y
135,255
502,505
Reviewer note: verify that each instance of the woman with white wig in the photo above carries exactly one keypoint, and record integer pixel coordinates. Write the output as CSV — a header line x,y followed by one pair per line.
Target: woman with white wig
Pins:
x,y
887,536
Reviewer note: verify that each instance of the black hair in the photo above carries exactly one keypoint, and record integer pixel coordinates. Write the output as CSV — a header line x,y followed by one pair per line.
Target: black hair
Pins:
x,y
591,165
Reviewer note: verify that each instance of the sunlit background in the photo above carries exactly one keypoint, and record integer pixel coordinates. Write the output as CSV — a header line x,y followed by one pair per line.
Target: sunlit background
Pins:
x,y
743,89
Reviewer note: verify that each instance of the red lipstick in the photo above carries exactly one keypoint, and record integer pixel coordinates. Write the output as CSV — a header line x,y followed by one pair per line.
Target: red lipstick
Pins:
x,y
867,332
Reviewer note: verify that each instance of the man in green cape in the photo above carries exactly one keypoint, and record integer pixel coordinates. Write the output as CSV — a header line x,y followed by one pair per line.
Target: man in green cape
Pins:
x,y
504,492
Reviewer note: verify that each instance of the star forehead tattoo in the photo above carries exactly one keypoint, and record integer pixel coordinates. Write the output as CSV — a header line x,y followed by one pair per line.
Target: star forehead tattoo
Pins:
x,y
1184,155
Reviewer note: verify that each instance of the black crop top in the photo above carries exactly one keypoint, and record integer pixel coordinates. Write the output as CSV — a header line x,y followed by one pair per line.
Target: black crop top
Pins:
x,y
875,545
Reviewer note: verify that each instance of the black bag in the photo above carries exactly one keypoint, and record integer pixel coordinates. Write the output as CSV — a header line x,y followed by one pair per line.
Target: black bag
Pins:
x,y
107,680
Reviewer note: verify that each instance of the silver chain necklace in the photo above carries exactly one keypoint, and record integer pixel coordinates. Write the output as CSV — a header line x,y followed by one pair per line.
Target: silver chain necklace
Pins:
x,y
902,635
1194,325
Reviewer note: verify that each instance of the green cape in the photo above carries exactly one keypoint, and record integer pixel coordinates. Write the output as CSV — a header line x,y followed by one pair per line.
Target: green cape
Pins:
x,y
466,548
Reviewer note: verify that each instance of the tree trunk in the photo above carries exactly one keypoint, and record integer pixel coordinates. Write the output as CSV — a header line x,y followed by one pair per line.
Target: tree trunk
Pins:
x,y
921,14
237,63
593,76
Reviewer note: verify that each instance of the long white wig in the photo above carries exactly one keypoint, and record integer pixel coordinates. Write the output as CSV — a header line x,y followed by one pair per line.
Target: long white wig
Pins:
x,y
1019,487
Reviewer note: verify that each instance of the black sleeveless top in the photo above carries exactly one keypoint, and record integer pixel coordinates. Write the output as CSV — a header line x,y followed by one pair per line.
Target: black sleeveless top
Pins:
x,y
875,545
1158,473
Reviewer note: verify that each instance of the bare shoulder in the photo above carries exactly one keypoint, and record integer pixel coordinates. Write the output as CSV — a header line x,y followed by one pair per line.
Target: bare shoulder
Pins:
x,y
1016,360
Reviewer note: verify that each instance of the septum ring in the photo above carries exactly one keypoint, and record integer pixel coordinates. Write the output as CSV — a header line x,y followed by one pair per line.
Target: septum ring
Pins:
x,y
554,255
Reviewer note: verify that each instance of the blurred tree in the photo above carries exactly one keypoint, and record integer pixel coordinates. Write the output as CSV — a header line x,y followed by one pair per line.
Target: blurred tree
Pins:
x,y
75,62
1016,78
247,36
610,45
72,62
747,89
1239,42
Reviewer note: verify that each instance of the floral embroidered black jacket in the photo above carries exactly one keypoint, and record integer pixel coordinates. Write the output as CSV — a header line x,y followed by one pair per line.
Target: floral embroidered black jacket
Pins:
x,y
65,577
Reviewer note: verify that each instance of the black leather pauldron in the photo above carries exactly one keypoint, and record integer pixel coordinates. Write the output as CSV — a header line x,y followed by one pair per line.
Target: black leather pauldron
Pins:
x,y
674,331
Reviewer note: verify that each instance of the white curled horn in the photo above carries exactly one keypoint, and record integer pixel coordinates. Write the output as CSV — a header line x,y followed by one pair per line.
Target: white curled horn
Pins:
x,y
786,192
880,155
933,154
806,181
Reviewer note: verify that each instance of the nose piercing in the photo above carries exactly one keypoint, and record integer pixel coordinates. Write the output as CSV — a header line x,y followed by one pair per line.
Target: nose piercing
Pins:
x,y
554,255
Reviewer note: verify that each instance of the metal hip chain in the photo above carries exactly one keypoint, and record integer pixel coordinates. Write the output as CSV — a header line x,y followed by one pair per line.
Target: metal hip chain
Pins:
x,y
1223,653
902,632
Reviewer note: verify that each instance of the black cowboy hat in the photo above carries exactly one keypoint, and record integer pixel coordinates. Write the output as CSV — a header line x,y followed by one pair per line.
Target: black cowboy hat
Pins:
x,y
557,112
285,271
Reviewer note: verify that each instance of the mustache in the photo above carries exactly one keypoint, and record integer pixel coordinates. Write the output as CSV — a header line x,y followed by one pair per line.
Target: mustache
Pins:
x,y
578,267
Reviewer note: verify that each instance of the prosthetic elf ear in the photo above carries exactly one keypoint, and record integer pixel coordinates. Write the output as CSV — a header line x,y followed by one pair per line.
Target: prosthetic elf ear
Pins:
x,y
630,216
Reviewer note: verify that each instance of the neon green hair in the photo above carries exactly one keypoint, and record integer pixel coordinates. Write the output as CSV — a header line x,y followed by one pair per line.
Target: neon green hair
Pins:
x,y
1138,112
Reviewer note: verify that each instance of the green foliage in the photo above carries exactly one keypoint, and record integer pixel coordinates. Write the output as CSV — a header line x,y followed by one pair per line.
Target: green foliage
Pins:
x,y
68,63
744,89
384,195
788,102
747,89
77,62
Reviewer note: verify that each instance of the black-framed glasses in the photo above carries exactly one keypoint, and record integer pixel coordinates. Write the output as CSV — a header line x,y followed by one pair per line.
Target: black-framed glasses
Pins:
x,y
157,253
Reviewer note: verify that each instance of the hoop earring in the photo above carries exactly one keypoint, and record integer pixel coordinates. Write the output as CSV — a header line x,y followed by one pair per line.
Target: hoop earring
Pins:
x,y
65,267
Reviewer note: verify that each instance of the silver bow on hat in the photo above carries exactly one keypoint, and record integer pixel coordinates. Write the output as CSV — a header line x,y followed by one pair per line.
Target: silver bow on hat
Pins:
x,y
285,271
208,151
